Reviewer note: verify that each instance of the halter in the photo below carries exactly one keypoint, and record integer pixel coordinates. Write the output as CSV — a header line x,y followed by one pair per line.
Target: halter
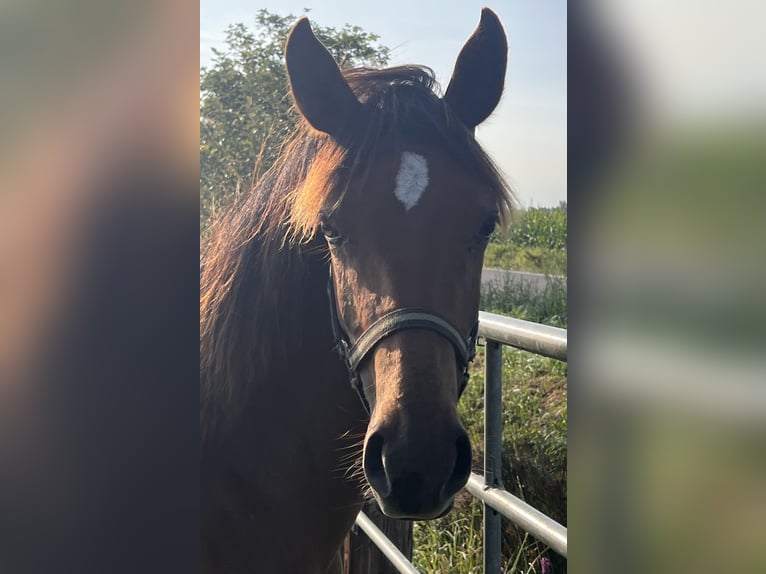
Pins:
x,y
398,320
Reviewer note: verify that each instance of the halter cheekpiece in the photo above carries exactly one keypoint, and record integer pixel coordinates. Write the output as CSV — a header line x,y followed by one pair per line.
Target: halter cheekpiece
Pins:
x,y
398,320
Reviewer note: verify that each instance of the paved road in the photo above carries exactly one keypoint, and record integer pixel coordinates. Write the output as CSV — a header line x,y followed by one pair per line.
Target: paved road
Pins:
x,y
499,277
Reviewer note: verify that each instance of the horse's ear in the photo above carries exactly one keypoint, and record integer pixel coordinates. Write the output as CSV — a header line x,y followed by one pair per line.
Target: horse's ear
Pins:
x,y
479,75
318,88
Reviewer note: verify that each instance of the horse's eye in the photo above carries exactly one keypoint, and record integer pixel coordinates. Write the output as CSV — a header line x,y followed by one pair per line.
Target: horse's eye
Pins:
x,y
488,227
330,232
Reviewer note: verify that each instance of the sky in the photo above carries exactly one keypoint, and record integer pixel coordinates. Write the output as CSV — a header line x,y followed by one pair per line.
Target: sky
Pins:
x,y
526,136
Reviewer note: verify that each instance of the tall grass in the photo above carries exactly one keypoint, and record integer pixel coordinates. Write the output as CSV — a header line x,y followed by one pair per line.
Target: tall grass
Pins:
x,y
540,227
535,240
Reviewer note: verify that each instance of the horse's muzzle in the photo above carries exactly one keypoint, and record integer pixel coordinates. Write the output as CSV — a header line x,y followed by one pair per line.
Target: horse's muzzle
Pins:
x,y
417,477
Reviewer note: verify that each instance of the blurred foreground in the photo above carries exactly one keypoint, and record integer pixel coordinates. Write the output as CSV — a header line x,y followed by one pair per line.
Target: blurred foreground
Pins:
x,y
668,371
98,288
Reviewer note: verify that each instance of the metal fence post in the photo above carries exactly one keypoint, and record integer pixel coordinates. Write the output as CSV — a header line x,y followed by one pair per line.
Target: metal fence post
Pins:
x,y
493,431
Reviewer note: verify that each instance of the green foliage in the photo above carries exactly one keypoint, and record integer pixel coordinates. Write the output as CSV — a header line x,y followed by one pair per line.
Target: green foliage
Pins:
x,y
535,241
541,227
245,108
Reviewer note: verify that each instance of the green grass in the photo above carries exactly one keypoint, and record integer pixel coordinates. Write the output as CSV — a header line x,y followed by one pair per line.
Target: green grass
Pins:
x,y
452,543
535,240
534,447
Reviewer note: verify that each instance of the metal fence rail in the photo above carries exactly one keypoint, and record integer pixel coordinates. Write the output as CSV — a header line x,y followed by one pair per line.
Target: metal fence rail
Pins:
x,y
533,337
544,340
519,512
387,547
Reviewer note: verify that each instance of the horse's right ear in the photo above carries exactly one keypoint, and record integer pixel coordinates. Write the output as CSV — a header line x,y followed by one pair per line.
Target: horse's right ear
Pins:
x,y
318,88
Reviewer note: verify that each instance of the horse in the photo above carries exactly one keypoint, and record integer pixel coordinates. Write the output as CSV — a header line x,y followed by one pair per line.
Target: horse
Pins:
x,y
339,309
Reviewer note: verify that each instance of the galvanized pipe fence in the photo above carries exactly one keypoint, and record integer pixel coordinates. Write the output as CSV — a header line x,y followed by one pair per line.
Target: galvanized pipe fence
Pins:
x,y
498,331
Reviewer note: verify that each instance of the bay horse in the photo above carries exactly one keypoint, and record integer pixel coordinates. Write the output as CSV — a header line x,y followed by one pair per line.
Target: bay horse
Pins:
x,y
351,271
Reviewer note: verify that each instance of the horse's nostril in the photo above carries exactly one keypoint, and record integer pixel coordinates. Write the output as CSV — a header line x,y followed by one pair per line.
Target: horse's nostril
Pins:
x,y
374,469
462,468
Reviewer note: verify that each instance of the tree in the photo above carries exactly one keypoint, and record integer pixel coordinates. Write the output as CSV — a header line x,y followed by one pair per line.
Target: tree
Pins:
x,y
245,107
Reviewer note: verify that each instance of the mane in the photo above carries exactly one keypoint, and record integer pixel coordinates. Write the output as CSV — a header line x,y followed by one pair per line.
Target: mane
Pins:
x,y
264,248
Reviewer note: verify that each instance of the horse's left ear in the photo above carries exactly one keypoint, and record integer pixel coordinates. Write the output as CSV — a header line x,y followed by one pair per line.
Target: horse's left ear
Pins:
x,y
479,75
317,85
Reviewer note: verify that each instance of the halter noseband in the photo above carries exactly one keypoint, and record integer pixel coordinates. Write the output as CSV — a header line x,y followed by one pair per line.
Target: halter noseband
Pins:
x,y
390,323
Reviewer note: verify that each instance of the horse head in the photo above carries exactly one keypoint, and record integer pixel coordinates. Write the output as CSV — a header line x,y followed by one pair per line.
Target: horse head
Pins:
x,y
409,205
